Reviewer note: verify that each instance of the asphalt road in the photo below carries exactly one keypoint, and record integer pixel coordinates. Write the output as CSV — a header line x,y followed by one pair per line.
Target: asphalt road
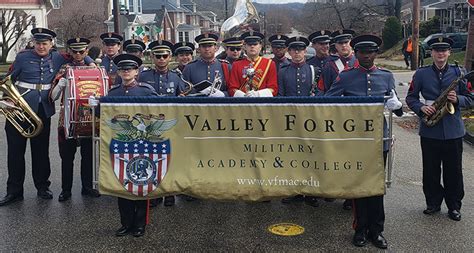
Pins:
x,y
88,224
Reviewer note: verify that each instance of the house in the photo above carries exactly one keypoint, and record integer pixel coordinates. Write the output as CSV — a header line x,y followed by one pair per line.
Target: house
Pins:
x,y
454,14
172,20
36,9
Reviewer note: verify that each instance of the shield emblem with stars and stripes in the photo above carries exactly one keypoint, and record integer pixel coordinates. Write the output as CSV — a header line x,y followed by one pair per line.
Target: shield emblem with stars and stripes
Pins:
x,y
140,165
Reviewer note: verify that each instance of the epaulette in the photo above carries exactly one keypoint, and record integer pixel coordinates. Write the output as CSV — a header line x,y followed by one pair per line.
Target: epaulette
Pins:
x,y
196,60
285,65
384,69
348,69
146,69
176,71
24,51
146,85
333,58
115,86
224,61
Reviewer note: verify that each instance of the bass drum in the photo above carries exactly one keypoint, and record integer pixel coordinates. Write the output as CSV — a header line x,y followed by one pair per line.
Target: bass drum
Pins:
x,y
83,82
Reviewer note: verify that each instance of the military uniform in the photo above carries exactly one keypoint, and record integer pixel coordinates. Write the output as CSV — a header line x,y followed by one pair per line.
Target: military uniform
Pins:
x,y
68,147
133,213
358,81
336,64
167,83
200,70
441,143
264,82
32,75
297,79
108,61
233,43
319,37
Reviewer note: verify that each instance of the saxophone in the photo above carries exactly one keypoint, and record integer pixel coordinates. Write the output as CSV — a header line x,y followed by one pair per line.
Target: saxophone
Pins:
x,y
442,105
20,114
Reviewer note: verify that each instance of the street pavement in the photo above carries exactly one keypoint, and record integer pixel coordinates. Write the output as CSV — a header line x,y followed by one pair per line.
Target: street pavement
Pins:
x,y
88,224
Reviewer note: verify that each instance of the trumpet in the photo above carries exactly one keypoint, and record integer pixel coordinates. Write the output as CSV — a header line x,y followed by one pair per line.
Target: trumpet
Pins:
x,y
20,114
217,84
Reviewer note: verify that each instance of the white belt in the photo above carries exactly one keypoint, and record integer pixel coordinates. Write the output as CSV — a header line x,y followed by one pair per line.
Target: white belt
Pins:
x,y
33,86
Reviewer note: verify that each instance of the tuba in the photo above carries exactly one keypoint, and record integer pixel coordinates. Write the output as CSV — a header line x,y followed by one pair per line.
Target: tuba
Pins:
x,y
245,15
20,115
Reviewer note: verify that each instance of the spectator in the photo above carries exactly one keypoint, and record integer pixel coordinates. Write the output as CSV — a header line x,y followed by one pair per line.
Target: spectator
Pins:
x,y
407,49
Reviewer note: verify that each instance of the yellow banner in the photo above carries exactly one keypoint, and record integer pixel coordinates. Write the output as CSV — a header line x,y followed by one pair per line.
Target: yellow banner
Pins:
x,y
241,151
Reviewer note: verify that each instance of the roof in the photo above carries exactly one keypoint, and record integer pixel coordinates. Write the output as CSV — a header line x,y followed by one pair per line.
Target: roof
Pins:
x,y
186,27
38,2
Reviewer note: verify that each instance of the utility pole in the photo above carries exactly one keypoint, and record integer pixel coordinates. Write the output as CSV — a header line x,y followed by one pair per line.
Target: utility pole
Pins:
x,y
226,10
469,58
116,14
416,35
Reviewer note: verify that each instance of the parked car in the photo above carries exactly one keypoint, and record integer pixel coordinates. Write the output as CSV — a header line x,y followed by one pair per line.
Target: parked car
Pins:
x,y
460,41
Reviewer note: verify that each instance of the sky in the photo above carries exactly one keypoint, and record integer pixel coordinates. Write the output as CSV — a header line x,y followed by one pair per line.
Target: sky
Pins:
x,y
279,1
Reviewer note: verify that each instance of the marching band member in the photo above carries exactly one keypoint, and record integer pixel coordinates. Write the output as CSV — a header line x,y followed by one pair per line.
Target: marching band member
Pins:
x,y
253,76
233,49
111,43
279,50
207,66
166,82
135,47
133,213
441,143
368,80
67,147
184,54
33,72
320,42
298,78
344,59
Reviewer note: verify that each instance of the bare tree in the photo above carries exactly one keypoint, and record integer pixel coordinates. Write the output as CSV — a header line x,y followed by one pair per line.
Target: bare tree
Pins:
x,y
364,16
78,24
14,23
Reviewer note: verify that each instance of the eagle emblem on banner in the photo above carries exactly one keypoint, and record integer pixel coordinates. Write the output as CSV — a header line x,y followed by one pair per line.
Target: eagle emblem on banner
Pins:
x,y
140,156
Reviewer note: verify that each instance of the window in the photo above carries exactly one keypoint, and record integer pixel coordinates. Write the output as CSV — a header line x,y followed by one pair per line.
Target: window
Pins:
x,y
130,6
57,4
60,41
139,6
184,36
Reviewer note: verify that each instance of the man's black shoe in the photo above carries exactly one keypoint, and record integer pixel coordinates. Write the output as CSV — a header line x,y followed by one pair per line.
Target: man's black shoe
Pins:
x,y
189,198
90,192
65,195
45,194
329,199
359,239
379,241
139,232
10,198
347,205
297,198
312,201
432,210
155,202
454,215
123,231
169,201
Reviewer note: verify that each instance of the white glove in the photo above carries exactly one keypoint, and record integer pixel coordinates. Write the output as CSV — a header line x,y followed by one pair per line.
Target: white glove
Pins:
x,y
252,94
62,82
93,101
393,103
265,93
239,94
217,94
206,91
